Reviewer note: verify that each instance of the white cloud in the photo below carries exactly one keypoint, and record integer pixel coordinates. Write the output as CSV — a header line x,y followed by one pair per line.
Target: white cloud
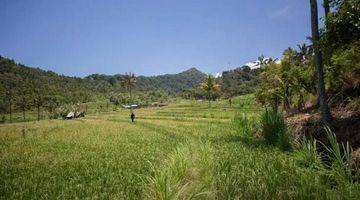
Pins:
x,y
282,12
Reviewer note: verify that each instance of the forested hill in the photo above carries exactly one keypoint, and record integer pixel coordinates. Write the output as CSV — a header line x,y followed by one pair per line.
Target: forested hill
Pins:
x,y
172,83
17,79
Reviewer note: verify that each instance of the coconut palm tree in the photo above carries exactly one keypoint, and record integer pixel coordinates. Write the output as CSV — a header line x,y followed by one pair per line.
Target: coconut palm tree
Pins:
x,y
209,86
128,82
261,60
324,108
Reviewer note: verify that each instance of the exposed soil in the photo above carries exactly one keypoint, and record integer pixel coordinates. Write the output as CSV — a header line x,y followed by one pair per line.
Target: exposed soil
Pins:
x,y
346,126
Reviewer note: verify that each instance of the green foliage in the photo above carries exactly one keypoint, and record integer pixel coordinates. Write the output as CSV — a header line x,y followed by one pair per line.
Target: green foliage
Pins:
x,y
342,27
186,174
344,73
172,150
292,81
139,98
269,92
288,82
239,81
340,159
307,156
170,83
209,86
275,130
245,126
24,89
128,82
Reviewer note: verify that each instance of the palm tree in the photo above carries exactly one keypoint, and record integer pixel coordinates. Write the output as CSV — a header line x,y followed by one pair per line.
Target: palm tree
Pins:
x,y
209,85
128,82
324,108
261,60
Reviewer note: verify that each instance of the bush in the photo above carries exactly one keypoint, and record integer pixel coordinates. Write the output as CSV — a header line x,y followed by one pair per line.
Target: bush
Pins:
x,y
275,130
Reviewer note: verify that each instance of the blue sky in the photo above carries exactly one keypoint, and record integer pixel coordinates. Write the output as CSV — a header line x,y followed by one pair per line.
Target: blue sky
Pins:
x,y
148,37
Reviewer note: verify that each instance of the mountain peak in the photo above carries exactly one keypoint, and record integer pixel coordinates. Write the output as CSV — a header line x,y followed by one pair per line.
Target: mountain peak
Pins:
x,y
192,69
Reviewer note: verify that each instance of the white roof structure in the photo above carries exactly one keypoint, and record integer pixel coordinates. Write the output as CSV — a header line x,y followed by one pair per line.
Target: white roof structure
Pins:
x,y
70,115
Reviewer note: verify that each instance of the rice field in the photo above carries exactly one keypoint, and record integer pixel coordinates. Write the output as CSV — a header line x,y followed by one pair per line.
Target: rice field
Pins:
x,y
182,151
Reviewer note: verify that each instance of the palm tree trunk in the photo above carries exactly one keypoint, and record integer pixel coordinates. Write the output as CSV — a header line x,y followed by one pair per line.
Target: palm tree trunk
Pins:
x,y
130,95
326,7
10,110
24,108
324,108
209,95
24,115
38,112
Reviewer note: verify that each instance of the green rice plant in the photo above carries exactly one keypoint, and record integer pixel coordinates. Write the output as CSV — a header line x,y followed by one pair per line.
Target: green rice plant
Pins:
x,y
340,157
244,125
186,174
307,156
169,182
105,156
275,130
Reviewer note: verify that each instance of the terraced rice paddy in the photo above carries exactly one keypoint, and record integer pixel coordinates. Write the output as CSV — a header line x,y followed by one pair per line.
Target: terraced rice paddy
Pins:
x,y
182,151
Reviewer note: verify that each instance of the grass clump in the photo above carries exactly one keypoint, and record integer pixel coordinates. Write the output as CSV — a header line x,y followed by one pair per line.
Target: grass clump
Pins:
x,y
169,182
340,157
186,174
244,125
275,130
307,156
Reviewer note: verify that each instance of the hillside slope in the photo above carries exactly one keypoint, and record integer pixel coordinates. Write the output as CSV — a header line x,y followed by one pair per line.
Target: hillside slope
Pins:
x,y
172,83
17,79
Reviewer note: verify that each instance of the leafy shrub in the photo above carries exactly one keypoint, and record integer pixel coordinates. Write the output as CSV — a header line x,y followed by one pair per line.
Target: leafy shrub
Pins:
x,y
275,130
3,119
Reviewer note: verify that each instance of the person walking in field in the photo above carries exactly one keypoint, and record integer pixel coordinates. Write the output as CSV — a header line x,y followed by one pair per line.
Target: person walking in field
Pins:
x,y
132,116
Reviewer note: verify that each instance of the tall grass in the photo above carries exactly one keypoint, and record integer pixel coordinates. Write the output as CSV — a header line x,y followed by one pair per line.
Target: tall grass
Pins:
x,y
307,156
104,156
340,157
169,181
244,125
186,174
275,130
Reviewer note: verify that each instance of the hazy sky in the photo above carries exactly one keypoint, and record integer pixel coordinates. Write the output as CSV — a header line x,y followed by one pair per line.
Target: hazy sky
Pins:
x,y
148,37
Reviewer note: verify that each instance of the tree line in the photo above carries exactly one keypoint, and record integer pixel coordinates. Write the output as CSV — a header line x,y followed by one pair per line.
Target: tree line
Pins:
x,y
326,71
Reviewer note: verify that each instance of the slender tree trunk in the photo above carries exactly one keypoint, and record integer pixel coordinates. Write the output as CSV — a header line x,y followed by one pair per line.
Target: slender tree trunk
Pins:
x,y
24,108
275,105
130,95
324,108
209,94
38,112
326,7
10,110
300,102
287,99
24,114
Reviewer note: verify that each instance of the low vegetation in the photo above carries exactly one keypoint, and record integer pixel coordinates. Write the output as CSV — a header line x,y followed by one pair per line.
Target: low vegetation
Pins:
x,y
184,150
